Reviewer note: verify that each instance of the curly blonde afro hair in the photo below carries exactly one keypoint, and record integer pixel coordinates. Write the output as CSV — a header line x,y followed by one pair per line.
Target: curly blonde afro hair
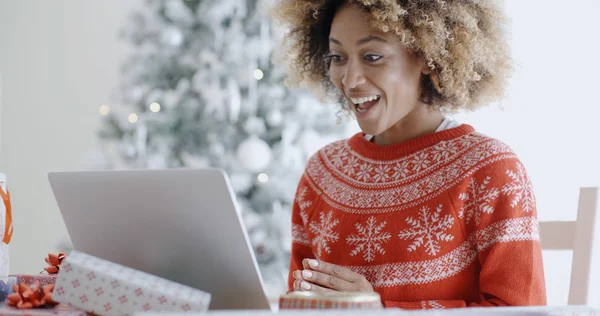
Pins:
x,y
462,41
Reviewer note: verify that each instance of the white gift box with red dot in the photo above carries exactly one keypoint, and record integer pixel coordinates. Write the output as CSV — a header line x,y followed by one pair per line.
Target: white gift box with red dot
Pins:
x,y
106,288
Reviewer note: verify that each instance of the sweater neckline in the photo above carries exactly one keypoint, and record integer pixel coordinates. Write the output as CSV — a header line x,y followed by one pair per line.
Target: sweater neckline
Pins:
x,y
368,149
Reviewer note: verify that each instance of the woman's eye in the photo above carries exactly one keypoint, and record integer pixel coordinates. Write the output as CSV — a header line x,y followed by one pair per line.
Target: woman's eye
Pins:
x,y
336,58
372,58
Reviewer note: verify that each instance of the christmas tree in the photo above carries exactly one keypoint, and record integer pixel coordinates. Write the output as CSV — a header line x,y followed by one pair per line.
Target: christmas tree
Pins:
x,y
200,90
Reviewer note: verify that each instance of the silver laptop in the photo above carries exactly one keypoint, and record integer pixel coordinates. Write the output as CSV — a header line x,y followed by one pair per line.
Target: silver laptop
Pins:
x,y
179,224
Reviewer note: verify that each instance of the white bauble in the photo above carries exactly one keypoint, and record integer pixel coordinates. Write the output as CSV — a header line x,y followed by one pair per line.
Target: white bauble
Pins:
x,y
172,36
274,117
254,154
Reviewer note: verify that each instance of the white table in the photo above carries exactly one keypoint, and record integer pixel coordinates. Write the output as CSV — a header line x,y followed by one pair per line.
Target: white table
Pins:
x,y
492,311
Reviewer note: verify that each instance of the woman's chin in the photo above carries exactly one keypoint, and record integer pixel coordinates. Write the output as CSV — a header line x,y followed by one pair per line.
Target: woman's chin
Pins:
x,y
371,122
370,128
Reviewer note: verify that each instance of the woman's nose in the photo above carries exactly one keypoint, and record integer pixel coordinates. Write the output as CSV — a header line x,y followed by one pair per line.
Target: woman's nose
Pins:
x,y
353,75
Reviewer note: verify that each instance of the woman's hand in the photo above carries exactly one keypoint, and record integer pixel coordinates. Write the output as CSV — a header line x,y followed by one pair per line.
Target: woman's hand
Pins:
x,y
319,276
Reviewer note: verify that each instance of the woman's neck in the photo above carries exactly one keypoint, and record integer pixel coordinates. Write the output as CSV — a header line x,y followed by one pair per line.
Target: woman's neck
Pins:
x,y
421,121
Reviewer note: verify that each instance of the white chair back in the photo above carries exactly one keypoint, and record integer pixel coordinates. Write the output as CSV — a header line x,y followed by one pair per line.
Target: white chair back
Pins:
x,y
583,237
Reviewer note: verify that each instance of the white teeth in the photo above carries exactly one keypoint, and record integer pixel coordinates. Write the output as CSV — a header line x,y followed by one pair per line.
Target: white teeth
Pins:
x,y
363,100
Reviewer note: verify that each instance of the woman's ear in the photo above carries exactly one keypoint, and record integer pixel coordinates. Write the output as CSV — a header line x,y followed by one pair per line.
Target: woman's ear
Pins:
x,y
425,69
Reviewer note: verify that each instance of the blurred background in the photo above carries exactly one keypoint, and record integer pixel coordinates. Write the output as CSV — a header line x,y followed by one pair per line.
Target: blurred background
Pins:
x,y
150,84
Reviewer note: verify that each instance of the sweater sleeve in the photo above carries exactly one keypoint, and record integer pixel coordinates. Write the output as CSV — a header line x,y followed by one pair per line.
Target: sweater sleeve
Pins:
x,y
504,230
303,203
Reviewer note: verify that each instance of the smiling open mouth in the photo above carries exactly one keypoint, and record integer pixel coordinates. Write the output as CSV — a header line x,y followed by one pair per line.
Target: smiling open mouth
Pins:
x,y
363,104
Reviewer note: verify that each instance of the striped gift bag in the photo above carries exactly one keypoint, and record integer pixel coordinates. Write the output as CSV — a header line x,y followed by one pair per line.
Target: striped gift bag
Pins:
x,y
336,300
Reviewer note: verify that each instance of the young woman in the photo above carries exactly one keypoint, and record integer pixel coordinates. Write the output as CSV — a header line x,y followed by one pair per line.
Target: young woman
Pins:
x,y
419,208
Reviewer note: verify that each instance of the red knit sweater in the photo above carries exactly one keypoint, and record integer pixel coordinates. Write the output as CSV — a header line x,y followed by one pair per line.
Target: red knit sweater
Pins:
x,y
445,220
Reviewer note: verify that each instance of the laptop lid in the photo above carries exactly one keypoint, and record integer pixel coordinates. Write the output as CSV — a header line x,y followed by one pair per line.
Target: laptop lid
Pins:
x,y
179,224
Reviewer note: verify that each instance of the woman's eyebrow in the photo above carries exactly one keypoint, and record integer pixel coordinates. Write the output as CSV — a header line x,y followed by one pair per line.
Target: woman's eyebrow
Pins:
x,y
361,41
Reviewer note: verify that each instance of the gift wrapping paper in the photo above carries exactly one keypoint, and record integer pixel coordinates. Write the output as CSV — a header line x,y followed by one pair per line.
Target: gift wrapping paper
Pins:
x,y
7,282
107,288
60,310
337,300
30,279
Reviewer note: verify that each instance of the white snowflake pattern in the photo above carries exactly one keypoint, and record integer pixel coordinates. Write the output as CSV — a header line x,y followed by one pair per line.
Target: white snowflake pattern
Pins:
x,y
468,140
401,170
339,159
369,239
478,200
324,233
303,204
351,164
444,150
382,173
428,230
300,199
420,161
364,172
520,189
299,235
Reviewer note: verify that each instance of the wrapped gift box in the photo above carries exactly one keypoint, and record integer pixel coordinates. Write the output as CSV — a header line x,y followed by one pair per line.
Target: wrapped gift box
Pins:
x,y
29,279
7,282
60,310
106,288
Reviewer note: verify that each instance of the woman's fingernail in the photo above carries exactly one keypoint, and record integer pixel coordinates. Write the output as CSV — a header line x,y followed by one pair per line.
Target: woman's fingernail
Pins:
x,y
305,286
306,274
313,263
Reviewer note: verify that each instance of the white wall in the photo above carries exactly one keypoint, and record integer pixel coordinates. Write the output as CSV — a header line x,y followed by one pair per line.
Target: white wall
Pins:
x,y
59,62
551,116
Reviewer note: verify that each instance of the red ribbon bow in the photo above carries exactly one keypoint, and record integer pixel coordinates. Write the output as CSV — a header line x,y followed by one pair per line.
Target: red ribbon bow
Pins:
x,y
31,296
54,261
8,229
